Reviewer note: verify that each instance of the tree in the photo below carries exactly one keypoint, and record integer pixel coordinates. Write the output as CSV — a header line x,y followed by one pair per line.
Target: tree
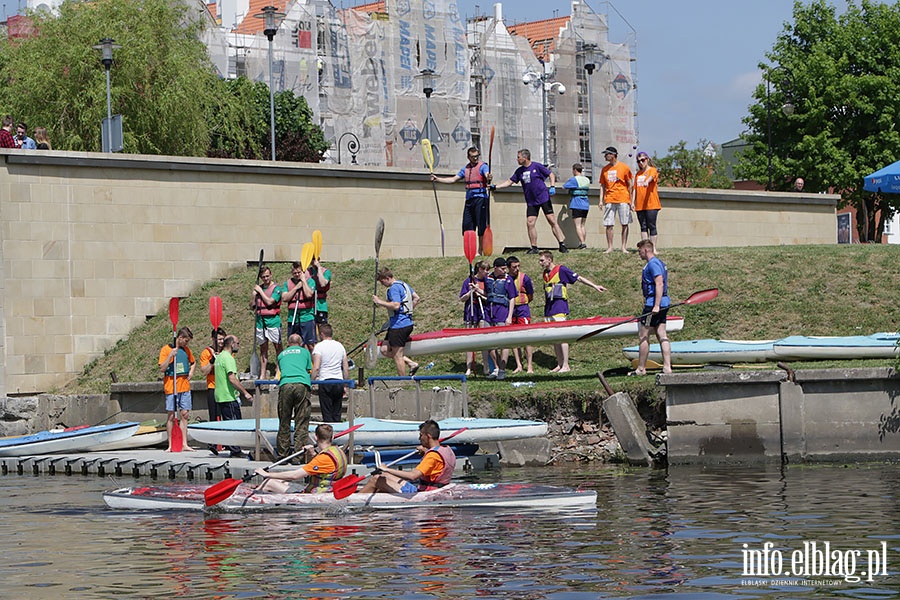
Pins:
x,y
842,74
701,167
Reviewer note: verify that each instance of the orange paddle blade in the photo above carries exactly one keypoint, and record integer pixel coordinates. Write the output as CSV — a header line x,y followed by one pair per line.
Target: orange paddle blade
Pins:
x,y
487,241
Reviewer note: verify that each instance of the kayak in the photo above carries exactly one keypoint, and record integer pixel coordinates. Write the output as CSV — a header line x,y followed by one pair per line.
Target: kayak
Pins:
x,y
147,436
374,432
484,495
711,351
533,334
69,440
801,347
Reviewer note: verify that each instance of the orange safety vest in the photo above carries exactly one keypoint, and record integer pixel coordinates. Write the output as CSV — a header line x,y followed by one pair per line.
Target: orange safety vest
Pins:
x,y
474,179
553,289
522,298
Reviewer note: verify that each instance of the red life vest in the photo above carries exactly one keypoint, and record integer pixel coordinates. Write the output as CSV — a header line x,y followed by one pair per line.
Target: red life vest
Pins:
x,y
298,298
268,311
474,179
322,292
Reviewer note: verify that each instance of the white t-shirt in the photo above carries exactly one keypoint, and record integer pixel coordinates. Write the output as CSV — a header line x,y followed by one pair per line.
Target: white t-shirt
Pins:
x,y
332,354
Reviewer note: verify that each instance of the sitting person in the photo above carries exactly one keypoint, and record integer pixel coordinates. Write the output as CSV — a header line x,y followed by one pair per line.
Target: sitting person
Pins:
x,y
433,471
328,465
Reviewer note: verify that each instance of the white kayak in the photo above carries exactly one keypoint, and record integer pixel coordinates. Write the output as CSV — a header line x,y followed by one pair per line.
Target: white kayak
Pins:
x,y
485,495
68,440
805,347
374,432
711,351
147,436
534,334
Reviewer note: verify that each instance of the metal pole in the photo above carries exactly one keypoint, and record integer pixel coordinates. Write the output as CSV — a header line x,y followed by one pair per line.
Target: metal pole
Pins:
x,y
591,122
769,128
271,99
428,131
544,110
108,114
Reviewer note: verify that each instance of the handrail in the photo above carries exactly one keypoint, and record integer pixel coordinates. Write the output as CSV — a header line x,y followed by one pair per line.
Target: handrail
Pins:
x,y
417,379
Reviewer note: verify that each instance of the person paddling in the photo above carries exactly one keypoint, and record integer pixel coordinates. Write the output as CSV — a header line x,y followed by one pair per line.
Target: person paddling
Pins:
x,y
433,471
328,465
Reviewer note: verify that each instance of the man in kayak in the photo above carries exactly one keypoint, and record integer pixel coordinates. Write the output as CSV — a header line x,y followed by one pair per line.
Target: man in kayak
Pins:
x,y
176,362
557,278
433,471
328,465
401,300
655,286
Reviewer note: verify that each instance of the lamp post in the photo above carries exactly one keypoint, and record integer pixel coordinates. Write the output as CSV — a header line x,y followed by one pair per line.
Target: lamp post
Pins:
x,y
352,146
589,66
542,80
272,17
106,47
429,79
787,108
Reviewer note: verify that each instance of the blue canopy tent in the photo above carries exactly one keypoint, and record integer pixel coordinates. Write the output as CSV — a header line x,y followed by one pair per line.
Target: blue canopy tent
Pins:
x,y
886,180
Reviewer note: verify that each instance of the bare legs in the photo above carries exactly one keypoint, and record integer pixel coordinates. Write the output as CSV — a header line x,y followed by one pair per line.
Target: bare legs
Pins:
x,y
554,227
609,239
644,348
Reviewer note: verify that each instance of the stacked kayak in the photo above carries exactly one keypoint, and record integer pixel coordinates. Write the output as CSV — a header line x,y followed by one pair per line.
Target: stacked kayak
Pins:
x,y
374,432
490,495
70,440
795,347
148,435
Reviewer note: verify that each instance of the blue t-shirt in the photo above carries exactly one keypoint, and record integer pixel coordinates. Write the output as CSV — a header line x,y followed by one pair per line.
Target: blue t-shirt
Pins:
x,y
653,268
579,186
476,192
532,179
402,293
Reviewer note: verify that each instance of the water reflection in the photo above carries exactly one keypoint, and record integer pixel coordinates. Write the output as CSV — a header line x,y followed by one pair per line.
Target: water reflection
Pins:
x,y
676,534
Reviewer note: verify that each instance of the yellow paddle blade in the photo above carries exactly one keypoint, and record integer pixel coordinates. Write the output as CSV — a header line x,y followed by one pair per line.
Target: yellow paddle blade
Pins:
x,y
317,244
428,154
306,255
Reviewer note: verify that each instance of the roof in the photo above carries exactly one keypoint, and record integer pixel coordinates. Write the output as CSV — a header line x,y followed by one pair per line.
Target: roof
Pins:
x,y
252,25
541,35
371,7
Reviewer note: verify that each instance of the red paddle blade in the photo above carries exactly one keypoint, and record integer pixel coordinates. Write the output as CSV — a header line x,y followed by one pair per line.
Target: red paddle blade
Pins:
x,y
702,296
215,311
220,491
173,312
487,241
470,245
345,486
177,439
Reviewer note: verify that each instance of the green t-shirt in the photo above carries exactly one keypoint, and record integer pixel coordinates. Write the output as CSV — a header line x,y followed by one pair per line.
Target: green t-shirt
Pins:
x,y
322,303
295,363
225,364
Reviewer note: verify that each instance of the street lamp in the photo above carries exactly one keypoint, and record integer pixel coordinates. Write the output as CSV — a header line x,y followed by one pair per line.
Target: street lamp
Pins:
x,y
590,56
429,79
542,80
352,146
272,17
106,47
787,108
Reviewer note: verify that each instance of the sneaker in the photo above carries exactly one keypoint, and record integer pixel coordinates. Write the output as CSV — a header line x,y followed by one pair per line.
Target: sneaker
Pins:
x,y
532,250
582,246
501,375
563,249
496,374
212,448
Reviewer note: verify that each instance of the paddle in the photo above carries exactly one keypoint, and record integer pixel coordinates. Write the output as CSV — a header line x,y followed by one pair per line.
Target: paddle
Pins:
x,y
470,247
428,155
317,244
215,311
345,486
254,358
695,298
372,348
487,242
177,442
306,257
225,488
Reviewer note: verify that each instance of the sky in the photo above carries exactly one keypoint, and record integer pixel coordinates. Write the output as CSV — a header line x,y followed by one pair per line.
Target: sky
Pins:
x,y
697,60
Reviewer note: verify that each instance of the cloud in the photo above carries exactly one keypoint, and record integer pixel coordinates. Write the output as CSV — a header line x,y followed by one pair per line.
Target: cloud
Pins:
x,y
741,86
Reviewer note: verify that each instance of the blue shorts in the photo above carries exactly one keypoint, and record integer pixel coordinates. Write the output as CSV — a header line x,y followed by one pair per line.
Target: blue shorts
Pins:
x,y
308,332
409,487
183,401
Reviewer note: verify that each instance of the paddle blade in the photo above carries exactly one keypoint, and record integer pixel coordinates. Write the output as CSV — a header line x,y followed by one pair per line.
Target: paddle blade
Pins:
x,y
379,235
317,244
345,486
215,311
221,491
177,439
306,255
470,245
702,296
173,313
487,241
255,364
428,154
260,265
372,352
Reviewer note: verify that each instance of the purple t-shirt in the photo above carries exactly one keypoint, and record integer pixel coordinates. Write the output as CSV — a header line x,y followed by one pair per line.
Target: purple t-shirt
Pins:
x,y
472,313
532,179
560,306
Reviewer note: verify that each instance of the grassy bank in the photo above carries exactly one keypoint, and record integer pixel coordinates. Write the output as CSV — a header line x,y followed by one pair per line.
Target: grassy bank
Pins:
x,y
765,293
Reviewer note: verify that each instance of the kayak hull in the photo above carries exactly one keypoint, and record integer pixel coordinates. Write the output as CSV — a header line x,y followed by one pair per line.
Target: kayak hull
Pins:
x,y
142,439
514,495
513,336
374,432
711,351
55,442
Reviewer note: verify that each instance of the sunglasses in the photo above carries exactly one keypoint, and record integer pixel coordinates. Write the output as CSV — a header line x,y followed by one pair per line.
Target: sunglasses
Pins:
x,y
642,160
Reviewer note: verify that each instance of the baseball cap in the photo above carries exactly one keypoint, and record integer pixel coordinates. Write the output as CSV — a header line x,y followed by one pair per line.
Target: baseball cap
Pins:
x,y
611,150
499,262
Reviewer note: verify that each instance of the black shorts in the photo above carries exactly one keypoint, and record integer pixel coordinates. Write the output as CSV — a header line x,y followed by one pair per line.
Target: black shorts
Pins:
x,y
579,213
321,317
474,216
533,211
397,338
652,320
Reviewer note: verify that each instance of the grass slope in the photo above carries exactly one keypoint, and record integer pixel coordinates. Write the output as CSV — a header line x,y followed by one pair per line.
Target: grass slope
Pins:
x,y
765,292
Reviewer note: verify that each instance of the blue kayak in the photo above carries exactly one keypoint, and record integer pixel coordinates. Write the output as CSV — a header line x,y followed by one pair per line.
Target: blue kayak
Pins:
x,y
711,351
804,347
69,440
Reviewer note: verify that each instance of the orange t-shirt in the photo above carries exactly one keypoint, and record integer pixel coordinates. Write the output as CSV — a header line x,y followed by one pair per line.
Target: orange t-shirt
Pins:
x,y
615,180
431,465
322,464
205,357
646,194
183,383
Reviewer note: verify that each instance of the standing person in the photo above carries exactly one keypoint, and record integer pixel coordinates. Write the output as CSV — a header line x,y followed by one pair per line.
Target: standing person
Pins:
x,y
40,137
615,197
299,293
176,363
228,386
294,386
477,175
501,292
207,369
267,303
329,465
537,196
22,140
401,300
329,361
579,186
655,286
322,278
557,278
6,137
433,471
472,294
521,309
645,197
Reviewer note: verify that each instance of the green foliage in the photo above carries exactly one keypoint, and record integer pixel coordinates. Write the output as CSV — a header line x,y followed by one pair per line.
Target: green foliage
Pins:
x,y
842,74
697,168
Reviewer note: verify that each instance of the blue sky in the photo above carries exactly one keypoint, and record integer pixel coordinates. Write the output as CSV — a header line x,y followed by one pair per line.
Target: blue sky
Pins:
x,y
697,59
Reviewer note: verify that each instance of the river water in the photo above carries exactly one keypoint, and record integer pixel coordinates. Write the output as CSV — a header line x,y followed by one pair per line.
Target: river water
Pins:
x,y
685,533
